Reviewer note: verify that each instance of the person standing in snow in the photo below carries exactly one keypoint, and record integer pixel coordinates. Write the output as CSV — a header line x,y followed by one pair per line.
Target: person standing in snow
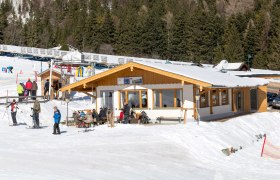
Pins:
x,y
28,86
34,90
36,110
56,118
46,88
126,112
55,89
20,91
14,111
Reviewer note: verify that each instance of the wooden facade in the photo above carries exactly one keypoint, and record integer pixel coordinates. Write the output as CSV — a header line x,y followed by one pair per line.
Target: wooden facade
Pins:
x,y
262,98
150,76
240,96
56,76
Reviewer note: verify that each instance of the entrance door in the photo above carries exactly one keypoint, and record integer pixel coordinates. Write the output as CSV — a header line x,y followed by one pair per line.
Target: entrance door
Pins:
x,y
254,100
239,101
107,99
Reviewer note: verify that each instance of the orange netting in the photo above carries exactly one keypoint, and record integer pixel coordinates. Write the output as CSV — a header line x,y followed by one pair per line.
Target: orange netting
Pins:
x,y
271,151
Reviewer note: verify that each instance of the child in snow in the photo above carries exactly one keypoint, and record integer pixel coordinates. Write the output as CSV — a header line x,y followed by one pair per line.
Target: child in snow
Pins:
x,y
56,117
14,111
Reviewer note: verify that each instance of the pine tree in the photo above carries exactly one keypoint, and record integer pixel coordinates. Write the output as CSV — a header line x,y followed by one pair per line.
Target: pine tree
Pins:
x,y
128,34
179,39
92,27
108,29
250,42
233,49
154,38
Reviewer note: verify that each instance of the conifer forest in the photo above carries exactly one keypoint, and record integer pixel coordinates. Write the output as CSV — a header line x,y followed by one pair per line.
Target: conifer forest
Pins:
x,y
203,31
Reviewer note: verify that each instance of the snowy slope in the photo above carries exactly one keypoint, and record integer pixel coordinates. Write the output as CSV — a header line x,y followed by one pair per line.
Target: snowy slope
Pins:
x,y
131,151
141,152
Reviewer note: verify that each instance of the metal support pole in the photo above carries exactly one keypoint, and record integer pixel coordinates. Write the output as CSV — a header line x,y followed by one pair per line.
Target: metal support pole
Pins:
x,y
67,115
197,112
50,84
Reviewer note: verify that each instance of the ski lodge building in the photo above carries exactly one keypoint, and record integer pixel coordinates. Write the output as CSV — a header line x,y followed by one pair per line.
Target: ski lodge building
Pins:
x,y
169,90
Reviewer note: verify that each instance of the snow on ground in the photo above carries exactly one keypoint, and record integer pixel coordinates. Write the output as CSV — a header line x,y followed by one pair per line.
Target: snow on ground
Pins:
x,y
134,151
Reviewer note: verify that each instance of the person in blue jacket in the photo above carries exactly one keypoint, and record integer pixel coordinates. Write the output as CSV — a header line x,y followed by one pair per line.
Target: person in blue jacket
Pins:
x,y
56,118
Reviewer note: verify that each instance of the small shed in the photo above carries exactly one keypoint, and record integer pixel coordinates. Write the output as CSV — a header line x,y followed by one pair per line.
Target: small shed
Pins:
x,y
56,76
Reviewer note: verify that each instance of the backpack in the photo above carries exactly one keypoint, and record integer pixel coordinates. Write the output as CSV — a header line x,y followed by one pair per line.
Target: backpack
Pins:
x,y
25,92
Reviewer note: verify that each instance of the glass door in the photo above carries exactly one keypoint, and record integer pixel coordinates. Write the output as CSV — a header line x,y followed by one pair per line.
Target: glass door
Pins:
x,y
239,101
107,99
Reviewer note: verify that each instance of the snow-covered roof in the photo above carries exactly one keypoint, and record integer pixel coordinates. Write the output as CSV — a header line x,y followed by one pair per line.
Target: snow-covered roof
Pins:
x,y
217,79
75,56
255,72
234,66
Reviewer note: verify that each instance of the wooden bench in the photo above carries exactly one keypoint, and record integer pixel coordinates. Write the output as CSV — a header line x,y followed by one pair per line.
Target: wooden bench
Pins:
x,y
161,118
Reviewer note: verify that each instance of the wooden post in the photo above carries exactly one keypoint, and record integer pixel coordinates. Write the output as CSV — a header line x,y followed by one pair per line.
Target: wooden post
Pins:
x,y
247,100
211,102
195,115
185,116
50,85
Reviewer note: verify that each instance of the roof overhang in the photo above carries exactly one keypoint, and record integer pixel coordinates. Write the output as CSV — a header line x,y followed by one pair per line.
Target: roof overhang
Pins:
x,y
82,85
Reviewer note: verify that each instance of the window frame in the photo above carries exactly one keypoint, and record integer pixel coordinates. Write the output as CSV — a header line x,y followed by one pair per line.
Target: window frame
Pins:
x,y
217,93
174,98
207,99
227,97
140,99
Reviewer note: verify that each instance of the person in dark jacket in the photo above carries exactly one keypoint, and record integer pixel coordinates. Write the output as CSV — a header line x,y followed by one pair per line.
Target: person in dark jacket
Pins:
x,y
28,86
34,89
55,89
95,117
56,118
36,110
46,88
126,112
13,111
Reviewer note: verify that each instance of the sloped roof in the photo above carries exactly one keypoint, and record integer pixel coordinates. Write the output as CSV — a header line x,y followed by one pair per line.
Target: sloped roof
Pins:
x,y
197,75
48,71
207,75
255,73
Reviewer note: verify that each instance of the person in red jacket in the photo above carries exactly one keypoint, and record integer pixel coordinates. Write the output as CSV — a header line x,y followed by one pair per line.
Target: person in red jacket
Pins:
x,y
28,86
13,111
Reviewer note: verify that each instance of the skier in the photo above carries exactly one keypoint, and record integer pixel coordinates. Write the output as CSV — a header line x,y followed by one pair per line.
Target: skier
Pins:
x,y
36,110
14,111
34,90
56,117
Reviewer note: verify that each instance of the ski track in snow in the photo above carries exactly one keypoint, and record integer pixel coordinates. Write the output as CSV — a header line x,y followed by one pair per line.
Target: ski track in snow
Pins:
x,y
130,151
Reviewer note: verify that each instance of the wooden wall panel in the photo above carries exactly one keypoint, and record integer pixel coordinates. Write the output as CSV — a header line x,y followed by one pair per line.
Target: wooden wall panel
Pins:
x,y
262,98
148,77
247,100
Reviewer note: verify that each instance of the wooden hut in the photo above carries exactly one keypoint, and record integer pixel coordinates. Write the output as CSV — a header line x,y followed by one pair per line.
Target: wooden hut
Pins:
x,y
56,76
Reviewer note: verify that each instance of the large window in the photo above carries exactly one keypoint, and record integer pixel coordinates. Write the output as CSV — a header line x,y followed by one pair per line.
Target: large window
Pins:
x,y
204,100
135,99
107,99
167,98
215,98
225,97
